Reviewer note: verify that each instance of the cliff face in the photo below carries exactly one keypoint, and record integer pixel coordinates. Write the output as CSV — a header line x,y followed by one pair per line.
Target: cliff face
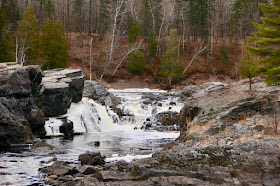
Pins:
x,y
59,88
25,99
20,113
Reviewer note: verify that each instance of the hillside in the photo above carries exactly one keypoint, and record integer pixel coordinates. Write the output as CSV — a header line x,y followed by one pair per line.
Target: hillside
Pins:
x,y
203,69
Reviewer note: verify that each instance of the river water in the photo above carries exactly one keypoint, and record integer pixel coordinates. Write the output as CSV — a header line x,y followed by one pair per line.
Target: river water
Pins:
x,y
120,139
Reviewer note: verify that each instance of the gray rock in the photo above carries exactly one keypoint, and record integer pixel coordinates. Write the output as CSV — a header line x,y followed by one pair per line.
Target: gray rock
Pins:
x,y
59,88
100,94
87,170
259,128
61,168
13,129
217,128
91,159
67,128
20,104
188,91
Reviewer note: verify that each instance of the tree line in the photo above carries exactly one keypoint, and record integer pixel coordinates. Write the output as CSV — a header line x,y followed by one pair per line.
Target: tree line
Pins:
x,y
32,44
147,22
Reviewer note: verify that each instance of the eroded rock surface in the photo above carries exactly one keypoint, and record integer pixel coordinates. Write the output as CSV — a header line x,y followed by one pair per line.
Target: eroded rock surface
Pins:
x,y
20,105
60,87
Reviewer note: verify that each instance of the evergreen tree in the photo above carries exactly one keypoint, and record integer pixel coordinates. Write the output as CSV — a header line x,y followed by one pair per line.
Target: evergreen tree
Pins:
x,y
266,41
247,67
198,15
6,39
29,37
224,54
135,31
79,15
136,63
103,17
12,12
172,66
55,47
153,44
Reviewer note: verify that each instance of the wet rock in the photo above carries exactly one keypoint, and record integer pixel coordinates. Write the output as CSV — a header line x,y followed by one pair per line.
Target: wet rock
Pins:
x,y
100,94
164,121
60,87
61,168
91,158
67,129
87,170
154,97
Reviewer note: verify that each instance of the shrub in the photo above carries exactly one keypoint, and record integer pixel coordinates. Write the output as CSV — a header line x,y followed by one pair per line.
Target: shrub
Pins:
x,y
136,63
224,54
135,31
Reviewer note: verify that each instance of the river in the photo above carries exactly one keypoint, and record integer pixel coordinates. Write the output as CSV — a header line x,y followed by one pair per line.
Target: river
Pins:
x,y
120,139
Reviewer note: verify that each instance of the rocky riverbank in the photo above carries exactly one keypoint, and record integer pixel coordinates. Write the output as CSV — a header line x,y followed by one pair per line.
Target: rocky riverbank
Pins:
x,y
230,139
28,95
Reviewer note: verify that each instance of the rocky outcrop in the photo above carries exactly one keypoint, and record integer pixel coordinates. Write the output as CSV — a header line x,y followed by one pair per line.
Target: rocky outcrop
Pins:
x,y
164,121
221,102
60,87
20,105
100,94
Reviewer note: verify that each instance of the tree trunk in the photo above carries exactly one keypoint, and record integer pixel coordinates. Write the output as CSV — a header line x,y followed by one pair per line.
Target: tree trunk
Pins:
x,y
90,65
90,17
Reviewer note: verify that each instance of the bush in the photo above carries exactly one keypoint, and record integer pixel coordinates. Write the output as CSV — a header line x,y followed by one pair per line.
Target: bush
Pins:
x,y
172,66
224,54
135,31
136,63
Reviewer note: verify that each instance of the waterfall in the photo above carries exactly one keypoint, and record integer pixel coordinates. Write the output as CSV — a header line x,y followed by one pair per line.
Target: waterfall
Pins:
x,y
138,105
87,117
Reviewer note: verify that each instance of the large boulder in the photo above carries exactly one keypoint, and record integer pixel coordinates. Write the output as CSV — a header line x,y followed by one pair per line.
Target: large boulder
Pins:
x,y
13,129
59,88
20,106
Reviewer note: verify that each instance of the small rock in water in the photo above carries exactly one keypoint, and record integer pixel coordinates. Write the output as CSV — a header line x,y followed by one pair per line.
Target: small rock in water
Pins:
x,y
91,159
97,143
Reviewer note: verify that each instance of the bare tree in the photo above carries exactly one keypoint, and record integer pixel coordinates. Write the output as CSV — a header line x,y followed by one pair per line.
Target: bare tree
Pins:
x,y
118,12
197,52
135,47
90,57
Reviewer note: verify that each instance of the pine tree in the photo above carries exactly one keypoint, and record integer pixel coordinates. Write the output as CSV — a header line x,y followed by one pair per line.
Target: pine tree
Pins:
x,y
135,31
153,44
55,49
5,39
12,12
172,66
103,17
247,67
29,37
136,63
265,43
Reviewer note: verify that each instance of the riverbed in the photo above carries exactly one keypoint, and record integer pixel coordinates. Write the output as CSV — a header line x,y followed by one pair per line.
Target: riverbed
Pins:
x,y
118,139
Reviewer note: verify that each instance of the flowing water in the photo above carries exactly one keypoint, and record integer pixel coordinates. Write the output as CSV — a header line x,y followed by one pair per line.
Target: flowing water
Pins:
x,y
120,139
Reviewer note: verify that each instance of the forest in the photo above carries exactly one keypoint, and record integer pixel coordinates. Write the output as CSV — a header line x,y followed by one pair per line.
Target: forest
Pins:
x,y
164,41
